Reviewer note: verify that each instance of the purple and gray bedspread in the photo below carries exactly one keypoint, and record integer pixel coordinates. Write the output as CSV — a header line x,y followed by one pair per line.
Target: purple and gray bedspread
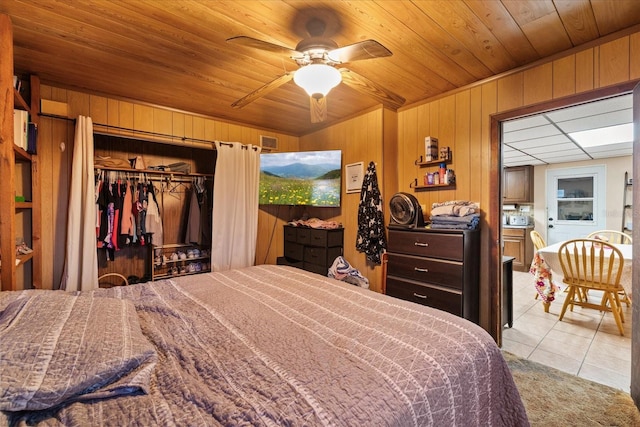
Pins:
x,y
265,345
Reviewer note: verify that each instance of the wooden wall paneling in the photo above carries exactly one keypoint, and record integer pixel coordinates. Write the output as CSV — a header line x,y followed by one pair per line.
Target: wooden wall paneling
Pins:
x,y
584,77
488,271
62,132
634,65
113,112
142,118
178,124
162,121
614,62
538,84
510,92
462,144
564,71
126,116
407,150
389,162
447,131
596,67
78,104
98,109
475,143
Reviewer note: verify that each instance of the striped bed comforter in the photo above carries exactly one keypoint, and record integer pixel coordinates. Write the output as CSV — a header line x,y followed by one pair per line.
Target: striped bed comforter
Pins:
x,y
267,346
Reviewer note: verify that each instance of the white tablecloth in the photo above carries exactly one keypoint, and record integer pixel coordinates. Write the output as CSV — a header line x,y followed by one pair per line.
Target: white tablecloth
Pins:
x,y
546,262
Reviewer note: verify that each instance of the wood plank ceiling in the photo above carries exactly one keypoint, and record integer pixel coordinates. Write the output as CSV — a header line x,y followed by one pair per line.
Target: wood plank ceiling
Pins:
x,y
174,52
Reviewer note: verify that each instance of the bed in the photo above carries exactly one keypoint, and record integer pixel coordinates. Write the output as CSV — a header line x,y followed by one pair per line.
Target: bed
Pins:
x,y
265,345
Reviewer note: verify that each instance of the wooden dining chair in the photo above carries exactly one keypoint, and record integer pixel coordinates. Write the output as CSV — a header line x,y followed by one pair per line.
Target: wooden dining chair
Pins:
x,y
618,237
538,243
611,236
592,264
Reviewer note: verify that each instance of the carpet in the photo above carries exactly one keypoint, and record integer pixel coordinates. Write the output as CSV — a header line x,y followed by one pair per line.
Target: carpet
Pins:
x,y
555,398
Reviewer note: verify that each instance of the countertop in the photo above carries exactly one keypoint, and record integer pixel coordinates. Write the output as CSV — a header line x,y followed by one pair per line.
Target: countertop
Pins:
x,y
518,226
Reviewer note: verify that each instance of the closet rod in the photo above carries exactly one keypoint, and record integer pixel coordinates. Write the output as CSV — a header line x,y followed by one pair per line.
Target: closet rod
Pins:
x,y
153,172
245,146
134,131
181,179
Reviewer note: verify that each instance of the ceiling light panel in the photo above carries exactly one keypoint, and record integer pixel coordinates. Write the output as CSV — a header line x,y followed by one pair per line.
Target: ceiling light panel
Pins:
x,y
601,120
527,122
530,133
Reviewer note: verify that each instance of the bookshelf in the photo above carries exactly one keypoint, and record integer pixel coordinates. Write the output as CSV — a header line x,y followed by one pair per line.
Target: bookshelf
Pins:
x,y
20,174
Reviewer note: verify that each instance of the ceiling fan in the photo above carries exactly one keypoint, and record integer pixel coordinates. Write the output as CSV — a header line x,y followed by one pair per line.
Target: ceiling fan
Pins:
x,y
318,56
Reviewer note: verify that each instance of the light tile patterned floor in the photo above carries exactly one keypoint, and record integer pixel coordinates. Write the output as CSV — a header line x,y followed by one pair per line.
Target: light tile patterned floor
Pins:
x,y
585,343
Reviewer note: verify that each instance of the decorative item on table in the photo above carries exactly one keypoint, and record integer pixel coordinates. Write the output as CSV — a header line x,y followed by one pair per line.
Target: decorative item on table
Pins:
x,y
445,153
456,215
431,149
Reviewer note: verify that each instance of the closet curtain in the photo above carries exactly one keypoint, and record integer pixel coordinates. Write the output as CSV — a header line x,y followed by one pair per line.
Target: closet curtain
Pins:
x,y
81,258
235,206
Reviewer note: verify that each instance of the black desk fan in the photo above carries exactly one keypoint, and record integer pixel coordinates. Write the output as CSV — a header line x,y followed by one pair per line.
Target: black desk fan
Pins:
x,y
405,211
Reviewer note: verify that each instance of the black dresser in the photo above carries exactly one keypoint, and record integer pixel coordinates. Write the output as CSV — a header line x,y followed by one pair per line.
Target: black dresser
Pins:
x,y
312,249
438,268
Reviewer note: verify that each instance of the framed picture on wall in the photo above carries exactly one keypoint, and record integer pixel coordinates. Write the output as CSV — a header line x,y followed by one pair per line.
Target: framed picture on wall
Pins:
x,y
353,177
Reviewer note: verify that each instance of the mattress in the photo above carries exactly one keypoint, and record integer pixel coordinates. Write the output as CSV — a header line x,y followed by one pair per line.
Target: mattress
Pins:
x,y
265,345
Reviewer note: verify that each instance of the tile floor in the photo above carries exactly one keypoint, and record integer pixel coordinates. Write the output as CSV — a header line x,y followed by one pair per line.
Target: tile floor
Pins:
x,y
585,343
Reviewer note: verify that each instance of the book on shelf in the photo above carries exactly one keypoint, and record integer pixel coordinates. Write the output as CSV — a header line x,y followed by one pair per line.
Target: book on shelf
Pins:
x,y
20,128
32,137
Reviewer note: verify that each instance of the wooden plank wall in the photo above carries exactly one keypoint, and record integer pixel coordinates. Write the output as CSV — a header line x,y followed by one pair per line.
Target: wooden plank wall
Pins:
x,y
461,120
56,147
360,140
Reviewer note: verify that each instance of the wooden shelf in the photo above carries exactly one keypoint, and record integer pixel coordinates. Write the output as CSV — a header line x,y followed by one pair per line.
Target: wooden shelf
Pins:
x,y
422,163
415,186
24,205
21,155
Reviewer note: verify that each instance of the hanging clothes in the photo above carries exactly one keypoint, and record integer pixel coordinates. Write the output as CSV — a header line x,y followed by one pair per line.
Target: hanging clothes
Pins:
x,y
193,221
153,224
371,237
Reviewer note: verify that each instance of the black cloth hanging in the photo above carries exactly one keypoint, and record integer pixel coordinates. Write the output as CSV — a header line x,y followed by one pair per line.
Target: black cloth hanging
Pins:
x,y
371,237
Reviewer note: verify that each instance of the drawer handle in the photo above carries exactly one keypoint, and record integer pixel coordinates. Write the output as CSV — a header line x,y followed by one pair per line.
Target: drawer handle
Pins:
x,y
419,296
421,270
420,244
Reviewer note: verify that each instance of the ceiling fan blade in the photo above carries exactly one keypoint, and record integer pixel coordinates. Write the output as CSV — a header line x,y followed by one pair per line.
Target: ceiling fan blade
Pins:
x,y
263,45
374,90
318,109
362,50
263,90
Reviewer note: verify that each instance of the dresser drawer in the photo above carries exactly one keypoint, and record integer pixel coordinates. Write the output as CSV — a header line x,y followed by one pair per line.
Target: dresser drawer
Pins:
x,y
294,251
434,245
328,238
321,256
429,270
303,235
446,300
290,234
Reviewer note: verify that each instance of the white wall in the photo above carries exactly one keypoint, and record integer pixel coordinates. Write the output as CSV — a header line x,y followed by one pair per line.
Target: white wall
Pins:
x,y
615,166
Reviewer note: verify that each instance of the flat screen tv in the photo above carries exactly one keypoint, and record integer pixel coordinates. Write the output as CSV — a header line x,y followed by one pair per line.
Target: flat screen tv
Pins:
x,y
305,178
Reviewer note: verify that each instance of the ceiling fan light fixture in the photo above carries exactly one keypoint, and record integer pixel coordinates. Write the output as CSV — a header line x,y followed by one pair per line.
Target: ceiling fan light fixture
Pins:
x,y
317,79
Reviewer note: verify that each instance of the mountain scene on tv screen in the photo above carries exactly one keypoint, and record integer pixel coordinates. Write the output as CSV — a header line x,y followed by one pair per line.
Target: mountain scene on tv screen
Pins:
x,y
300,184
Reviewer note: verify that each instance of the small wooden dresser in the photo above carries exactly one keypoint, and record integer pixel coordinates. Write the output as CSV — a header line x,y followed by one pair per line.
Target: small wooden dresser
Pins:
x,y
312,249
438,268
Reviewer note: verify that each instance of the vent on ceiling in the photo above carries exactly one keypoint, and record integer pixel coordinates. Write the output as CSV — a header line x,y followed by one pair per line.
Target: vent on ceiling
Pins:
x,y
268,143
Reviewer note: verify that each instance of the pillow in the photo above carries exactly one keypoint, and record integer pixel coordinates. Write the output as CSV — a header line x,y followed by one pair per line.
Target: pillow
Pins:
x,y
59,348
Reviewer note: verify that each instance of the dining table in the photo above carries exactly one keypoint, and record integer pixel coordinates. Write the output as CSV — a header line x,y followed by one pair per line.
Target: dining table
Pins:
x,y
547,271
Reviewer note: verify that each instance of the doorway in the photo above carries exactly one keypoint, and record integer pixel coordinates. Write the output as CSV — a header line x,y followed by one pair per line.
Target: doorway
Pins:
x,y
576,201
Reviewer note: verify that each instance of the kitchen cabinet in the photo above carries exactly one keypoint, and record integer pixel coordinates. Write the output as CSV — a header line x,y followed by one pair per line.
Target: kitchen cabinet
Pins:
x,y
517,244
517,185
